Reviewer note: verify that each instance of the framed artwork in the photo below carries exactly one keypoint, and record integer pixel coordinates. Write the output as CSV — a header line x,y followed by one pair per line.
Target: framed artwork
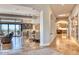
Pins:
x,y
27,26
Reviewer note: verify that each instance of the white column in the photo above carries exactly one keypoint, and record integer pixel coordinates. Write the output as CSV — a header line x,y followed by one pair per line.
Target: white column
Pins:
x,y
69,28
78,26
41,28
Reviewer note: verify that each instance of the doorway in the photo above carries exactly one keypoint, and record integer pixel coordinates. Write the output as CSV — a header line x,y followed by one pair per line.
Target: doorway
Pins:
x,y
62,28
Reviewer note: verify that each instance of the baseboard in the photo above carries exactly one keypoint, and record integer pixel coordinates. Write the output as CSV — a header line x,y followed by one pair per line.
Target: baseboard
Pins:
x,y
42,45
51,41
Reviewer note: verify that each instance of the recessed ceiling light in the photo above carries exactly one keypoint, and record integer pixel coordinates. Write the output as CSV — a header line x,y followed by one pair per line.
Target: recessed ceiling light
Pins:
x,y
62,21
62,15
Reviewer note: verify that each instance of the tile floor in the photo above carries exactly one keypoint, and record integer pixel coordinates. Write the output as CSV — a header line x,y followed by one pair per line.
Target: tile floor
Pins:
x,y
61,45
41,51
31,48
65,45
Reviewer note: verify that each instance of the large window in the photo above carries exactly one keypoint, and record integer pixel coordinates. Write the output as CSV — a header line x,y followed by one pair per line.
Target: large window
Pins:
x,y
8,26
4,29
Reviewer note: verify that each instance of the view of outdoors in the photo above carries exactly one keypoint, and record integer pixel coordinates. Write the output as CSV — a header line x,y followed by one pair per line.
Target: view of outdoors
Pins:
x,y
6,29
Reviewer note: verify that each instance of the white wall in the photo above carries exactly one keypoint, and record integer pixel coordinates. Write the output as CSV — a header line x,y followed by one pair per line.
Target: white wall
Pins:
x,y
49,26
52,25
45,29
53,28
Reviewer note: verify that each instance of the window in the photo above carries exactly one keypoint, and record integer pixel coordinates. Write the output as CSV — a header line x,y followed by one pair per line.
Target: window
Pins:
x,y
8,26
4,29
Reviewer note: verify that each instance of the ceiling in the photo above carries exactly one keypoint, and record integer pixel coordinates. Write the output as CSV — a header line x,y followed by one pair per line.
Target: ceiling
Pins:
x,y
18,11
58,9
62,9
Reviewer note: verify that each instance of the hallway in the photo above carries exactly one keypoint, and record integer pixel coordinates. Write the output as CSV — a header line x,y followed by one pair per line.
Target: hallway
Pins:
x,y
65,45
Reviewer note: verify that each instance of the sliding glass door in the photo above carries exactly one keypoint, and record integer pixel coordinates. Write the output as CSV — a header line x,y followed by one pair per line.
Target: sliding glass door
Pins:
x,y
4,29
16,29
8,28
12,28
